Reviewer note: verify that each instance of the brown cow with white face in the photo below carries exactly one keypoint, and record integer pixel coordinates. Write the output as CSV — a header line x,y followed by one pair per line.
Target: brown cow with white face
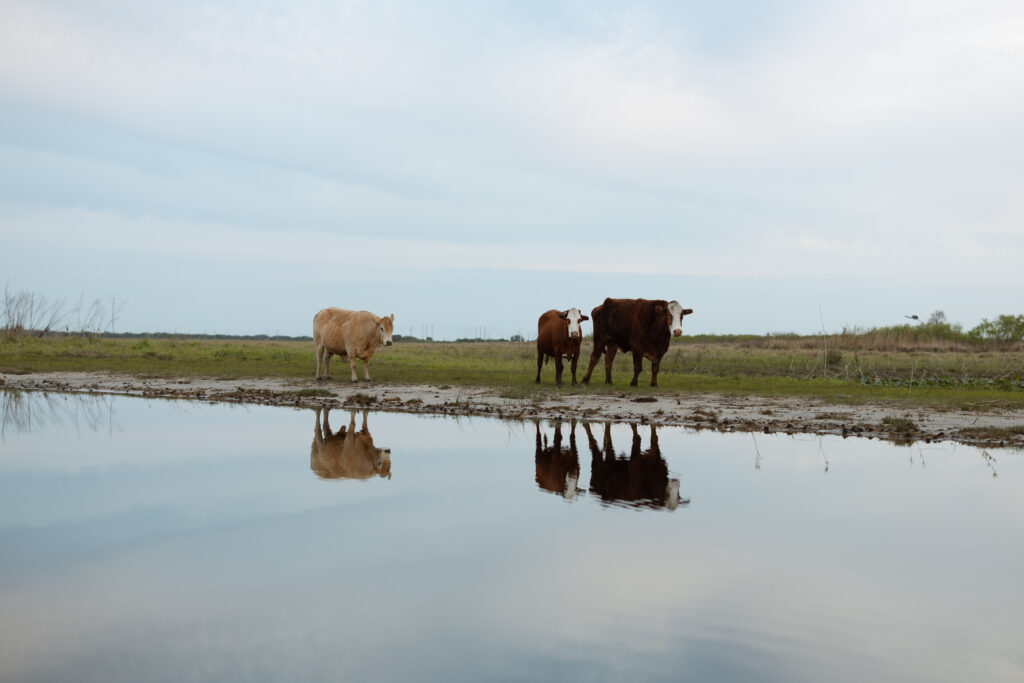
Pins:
x,y
558,336
348,454
351,335
638,325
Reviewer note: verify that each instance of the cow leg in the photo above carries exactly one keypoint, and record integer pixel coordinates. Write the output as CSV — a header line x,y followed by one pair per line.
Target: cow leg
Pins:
x,y
575,359
366,369
595,356
609,361
540,362
318,435
352,365
327,364
327,423
319,359
655,364
365,428
558,368
638,365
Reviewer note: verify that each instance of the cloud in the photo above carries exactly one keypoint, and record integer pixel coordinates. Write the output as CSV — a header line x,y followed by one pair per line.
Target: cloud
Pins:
x,y
647,138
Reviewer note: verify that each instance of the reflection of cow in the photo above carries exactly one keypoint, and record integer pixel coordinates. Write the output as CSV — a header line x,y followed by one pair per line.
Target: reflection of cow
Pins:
x,y
558,470
640,481
348,454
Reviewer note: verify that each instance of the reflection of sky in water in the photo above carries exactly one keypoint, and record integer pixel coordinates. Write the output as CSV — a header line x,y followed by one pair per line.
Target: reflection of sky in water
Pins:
x,y
194,542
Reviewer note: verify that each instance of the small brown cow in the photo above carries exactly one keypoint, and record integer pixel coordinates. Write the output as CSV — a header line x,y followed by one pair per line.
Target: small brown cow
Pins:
x,y
351,335
638,325
559,336
348,454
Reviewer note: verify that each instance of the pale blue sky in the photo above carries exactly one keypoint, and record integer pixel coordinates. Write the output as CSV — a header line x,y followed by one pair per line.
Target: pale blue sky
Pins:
x,y
234,167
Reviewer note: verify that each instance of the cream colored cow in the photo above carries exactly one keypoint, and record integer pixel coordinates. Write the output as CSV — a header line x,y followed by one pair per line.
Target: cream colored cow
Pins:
x,y
351,335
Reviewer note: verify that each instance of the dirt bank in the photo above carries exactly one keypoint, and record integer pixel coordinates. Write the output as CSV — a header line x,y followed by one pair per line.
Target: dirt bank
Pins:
x,y
989,425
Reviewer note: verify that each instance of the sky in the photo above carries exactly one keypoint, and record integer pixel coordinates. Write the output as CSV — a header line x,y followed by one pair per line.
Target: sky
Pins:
x,y
234,167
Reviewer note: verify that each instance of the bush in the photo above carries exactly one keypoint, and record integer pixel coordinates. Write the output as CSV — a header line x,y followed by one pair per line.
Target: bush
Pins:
x,y
1005,328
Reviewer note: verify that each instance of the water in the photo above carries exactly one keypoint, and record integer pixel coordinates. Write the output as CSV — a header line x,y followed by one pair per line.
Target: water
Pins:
x,y
158,540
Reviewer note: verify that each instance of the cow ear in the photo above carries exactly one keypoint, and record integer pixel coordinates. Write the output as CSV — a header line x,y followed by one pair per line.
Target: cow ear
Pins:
x,y
392,317
584,317
687,311
564,315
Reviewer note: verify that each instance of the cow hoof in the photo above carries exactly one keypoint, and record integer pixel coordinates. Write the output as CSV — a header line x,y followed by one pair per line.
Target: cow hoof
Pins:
x,y
354,381
367,381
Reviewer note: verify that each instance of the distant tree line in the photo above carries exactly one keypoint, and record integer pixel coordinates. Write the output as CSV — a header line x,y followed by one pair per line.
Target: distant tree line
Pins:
x,y
1004,328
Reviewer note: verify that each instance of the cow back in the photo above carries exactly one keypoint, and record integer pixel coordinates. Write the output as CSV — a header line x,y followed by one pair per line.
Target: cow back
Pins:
x,y
632,325
327,326
338,328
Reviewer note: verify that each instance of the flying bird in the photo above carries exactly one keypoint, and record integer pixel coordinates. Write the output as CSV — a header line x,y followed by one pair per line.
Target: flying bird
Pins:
x,y
911,317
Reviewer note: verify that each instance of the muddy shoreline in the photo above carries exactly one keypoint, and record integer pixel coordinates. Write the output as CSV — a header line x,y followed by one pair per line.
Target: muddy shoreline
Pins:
x,y
789,415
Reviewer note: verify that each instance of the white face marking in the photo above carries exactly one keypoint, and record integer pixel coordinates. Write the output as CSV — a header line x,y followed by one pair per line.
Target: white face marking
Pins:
x,y
675,318
574,316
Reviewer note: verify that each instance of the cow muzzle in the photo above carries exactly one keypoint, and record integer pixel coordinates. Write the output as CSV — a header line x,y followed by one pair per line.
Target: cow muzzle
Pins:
x,y
388,342
678,332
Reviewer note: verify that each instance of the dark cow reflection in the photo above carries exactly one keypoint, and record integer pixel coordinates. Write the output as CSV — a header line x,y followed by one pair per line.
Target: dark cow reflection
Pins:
x,y
558,470
348,454
641,480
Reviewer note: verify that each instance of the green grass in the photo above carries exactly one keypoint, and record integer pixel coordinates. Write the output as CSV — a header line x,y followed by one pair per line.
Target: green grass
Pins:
x,y
769,366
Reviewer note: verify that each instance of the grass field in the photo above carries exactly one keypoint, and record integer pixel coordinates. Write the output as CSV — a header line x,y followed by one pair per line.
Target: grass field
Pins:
x,y
833,368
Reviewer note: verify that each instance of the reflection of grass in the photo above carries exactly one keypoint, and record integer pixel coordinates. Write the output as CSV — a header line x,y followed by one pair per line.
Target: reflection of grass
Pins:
x,y
758,366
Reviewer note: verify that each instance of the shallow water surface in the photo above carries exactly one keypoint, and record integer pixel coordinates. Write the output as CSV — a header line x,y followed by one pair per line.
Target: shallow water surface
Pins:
x,y
159,540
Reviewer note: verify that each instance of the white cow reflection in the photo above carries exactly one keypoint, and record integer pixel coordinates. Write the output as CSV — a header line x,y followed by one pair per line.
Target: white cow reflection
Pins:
x,y
348,454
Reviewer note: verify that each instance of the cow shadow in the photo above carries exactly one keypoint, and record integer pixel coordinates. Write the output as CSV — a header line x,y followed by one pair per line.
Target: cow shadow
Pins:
x,y
558,468
638,481
346,454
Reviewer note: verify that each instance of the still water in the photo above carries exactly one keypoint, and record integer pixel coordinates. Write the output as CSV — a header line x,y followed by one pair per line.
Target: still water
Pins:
x,y
145,540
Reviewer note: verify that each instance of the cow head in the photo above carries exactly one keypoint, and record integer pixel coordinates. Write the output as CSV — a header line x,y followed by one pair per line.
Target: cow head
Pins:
x,y
675,317
383,462
385,327
574,317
